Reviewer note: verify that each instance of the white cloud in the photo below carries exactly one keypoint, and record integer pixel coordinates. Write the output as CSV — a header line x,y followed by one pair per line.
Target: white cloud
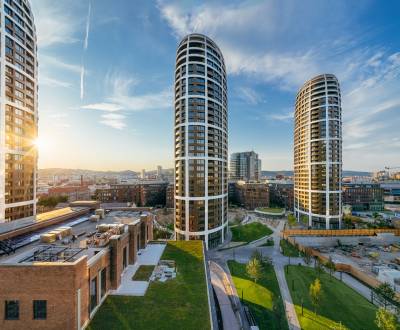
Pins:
x,y
113,120
86,40
249,95
54,24
52,61
48,81
103,107
282,116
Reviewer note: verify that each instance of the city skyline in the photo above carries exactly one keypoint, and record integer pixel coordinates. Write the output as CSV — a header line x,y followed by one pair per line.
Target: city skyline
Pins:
x,y
96,122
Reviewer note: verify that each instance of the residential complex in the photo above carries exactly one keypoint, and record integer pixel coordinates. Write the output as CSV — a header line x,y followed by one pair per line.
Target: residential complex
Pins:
x,y
201,141
18,108
363,197
281,194
245,166
318,153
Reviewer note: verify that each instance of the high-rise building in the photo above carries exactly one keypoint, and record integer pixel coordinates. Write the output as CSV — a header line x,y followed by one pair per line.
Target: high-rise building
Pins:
x,y
18,111
159,171
245,166
318,153
201,141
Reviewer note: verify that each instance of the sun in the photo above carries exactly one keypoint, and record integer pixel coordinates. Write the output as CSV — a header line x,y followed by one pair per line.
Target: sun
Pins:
x,y
40,143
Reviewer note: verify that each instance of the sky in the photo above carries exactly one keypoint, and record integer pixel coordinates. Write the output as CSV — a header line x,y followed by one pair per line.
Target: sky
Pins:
x,y
106,74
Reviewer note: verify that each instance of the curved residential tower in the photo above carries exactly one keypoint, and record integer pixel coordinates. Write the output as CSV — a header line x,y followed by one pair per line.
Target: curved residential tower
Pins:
x,y
201,133
318,153
18,111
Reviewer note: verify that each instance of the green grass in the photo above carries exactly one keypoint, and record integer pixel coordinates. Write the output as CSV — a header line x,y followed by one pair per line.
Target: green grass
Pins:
x,y
180,303
339,302
288,249
276,210
143,273
250,232
260,296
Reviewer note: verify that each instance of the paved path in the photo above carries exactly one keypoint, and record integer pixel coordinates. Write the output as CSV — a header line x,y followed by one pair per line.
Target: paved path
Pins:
x,y
225,295
243,254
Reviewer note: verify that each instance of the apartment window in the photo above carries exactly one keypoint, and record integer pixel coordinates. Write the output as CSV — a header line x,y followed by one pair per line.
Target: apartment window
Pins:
x,y
39,309
93,294
11,310
103,282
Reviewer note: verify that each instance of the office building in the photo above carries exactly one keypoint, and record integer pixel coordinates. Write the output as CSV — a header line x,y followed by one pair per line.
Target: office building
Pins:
x,y
201,145
318,153
363,197
18,108
245,166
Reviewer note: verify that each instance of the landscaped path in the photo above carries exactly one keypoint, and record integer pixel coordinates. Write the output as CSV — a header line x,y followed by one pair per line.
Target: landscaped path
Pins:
x,y
243,254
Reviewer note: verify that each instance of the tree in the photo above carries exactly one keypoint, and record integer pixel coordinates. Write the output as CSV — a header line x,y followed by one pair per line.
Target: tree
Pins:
x,y
315,292
254,269
340,326
385,320
257,255
385,292
330,265
291,219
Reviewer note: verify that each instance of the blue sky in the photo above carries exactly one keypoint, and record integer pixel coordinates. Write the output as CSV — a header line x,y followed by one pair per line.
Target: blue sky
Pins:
x,y
107,68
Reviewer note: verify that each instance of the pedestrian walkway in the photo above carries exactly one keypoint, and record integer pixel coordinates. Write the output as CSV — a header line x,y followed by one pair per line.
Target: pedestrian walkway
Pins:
x,y
149,256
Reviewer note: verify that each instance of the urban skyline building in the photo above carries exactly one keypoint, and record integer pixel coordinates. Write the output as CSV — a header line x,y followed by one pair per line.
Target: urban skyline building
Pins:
x,y
201,141
318,153
245,166
18,111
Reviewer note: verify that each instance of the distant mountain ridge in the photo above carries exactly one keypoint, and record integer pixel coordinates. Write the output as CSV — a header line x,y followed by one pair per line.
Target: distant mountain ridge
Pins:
x,y
77,171
290,173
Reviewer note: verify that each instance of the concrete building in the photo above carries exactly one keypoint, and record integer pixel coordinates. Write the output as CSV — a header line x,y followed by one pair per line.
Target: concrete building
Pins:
x,y
318,153
363,197
61,286
201,141
252,195
245,166
169,203
18,109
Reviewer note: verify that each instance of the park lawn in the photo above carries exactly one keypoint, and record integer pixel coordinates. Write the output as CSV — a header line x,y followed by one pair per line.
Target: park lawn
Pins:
x,y
180,303
288,249
276,210
250,232
339,303
261,296
143,273
269,242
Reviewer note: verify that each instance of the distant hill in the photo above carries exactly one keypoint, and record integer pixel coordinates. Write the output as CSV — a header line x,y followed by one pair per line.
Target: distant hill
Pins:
x,y
290,173
69,171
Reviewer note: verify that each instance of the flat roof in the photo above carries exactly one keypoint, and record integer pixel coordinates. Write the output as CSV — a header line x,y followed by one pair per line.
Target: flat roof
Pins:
x,y
82,228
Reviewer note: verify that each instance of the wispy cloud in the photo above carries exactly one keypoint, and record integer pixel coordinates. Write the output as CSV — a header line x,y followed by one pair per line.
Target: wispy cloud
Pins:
x,y
53,61
249,95
113,120
282,116
110,107
85,46
54,24
48,81
86,40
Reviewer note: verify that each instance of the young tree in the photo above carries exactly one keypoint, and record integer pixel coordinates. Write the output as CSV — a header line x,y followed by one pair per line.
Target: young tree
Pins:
x,y
257,255
315,293
385,320
330,265
254,269
291,220
385,292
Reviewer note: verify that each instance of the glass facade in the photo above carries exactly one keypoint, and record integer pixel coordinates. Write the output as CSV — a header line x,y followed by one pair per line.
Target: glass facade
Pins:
x,y
201,141
318,153
18,156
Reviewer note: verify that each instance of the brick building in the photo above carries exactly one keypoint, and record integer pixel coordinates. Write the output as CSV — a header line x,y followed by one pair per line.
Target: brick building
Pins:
x,y
61,286
281,194
151,193
169,203
252,195
363,197
73,193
